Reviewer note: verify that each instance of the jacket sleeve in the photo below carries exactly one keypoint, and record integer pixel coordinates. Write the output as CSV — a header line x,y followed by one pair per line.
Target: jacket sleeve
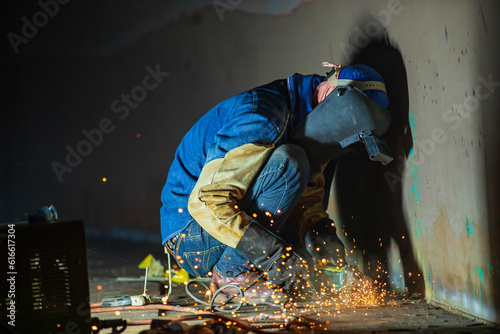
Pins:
x,y
222,183
241,149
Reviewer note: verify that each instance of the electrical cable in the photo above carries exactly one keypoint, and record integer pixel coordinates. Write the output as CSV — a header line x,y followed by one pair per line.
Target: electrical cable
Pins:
x,y
256,318
146,307
241,292
211,304
213,297
191,282
234,321
169,291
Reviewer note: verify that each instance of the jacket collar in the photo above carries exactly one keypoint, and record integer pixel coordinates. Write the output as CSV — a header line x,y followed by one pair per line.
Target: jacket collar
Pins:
x,y
300,92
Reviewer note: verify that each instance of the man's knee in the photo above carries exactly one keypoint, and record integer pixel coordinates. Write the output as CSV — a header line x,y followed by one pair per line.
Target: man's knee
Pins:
x,y
294,160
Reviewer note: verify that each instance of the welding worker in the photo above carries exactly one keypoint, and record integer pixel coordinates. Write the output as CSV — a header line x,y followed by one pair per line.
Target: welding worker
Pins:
x,y
241,198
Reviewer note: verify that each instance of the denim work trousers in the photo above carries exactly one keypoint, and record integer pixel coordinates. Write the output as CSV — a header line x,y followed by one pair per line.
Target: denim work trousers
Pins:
x,y
271,197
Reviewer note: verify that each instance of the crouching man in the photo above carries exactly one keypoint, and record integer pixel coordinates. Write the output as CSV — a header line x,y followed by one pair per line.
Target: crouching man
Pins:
x,y
242,196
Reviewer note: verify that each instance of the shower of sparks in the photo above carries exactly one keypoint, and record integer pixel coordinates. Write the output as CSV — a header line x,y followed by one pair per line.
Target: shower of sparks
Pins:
x,y
356,291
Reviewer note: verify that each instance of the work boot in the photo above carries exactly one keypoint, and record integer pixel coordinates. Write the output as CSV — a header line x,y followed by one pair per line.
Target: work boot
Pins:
x,y
258,291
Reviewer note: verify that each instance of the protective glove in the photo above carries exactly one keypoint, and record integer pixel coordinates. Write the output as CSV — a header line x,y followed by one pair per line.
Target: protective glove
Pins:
x,y
324,245
291,272
285,269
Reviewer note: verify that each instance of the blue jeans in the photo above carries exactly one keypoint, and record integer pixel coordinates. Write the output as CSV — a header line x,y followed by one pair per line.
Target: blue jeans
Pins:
x,y
272,195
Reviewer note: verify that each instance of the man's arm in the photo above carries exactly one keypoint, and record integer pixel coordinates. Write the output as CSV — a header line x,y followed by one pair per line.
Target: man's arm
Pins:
x,y
223,182
313,224
251,128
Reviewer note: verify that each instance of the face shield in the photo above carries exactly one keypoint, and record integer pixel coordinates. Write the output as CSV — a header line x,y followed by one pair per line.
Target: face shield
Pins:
x,y
346,120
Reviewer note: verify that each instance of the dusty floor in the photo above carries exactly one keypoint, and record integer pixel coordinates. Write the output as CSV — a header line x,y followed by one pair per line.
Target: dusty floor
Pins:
x,y
111,274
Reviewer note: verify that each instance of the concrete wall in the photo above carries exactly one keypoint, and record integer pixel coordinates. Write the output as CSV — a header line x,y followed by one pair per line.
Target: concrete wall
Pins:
x,y
439,61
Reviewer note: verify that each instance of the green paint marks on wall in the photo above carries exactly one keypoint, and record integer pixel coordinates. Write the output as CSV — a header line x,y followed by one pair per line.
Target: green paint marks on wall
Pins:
x,y
469,227
418,228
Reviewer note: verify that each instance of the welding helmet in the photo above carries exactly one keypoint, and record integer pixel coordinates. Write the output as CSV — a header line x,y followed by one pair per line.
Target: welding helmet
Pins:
x,y
368,80
352,117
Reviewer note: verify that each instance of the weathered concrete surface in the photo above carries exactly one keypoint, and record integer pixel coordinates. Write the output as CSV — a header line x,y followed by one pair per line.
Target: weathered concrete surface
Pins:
x,y
395,314
440,63
442,186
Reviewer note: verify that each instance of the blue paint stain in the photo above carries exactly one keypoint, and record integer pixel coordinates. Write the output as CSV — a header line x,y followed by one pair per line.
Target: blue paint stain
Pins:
x,y
411,122
480,274
469,227
411,154
418,228
415,186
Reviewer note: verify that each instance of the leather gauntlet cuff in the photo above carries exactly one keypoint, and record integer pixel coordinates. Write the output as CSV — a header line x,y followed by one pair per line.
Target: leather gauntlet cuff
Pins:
x,y
261,247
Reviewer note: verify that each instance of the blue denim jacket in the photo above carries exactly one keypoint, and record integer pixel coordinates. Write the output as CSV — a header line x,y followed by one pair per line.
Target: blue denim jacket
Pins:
x,y
255,116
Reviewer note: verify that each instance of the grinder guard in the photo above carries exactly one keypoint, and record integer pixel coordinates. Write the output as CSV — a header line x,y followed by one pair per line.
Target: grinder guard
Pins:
x,y
346,117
